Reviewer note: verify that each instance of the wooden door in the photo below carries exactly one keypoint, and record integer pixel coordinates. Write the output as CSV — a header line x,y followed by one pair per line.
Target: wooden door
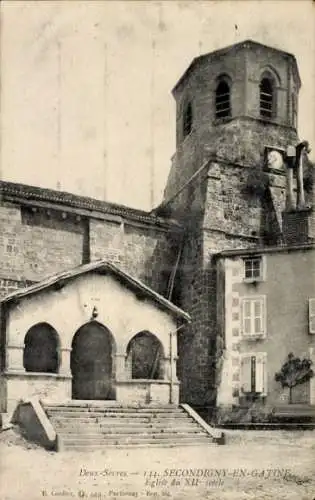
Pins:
x,y
91,363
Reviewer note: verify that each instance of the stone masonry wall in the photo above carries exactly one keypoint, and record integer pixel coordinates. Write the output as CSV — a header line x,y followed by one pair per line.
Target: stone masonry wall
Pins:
x,y
145,253
198,296
36,243
8,286
242,136
239,141
214,212
228,207
193,343
218,214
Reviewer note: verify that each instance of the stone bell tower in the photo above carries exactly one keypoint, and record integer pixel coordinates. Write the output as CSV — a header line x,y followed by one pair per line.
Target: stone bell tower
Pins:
x,y
236,115
232,103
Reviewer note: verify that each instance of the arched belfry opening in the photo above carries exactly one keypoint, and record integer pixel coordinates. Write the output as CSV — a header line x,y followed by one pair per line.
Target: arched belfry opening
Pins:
x,y
41,349
92,367
144,357
187,119
223,99
267,96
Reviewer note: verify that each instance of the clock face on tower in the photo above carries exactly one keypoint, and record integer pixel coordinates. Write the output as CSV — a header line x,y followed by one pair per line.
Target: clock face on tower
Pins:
x,y
275,159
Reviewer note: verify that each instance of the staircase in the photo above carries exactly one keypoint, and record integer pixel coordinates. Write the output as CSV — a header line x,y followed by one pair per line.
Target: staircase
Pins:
x,y
87,426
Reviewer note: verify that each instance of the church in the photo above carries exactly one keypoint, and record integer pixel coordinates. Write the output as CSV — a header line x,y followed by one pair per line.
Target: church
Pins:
x,y
199,301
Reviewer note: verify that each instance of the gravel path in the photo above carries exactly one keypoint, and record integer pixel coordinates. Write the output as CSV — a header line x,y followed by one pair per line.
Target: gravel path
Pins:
x,y
252,465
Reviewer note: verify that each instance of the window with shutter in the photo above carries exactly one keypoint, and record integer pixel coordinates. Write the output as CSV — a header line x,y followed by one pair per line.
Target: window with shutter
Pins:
x,y
261,373
266,98
311,315
254,373
246,374
253,316
222,100
247,318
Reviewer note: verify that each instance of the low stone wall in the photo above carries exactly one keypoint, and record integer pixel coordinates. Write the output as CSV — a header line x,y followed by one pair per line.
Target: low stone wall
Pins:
x,y
22,386
243,414
146,391
217,435
35,424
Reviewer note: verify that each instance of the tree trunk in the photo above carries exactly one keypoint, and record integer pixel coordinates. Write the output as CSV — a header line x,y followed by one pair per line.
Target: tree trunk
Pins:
x,y
290,395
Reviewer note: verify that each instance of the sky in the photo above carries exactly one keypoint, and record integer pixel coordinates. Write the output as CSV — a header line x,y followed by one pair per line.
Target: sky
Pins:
x,y
85,86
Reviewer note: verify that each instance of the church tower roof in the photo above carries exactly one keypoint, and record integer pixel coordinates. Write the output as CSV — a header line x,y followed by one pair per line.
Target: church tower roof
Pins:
x,y
245,44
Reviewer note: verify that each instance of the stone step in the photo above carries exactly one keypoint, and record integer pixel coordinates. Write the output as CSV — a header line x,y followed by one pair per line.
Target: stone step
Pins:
x,y
120,422
106,427
126,431
95,442
113,417
91,427
105,413
116,418
172,444
114,408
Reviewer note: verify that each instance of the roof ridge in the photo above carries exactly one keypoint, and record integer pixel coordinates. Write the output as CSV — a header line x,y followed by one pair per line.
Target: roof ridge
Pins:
x,y
93,266
228,48
38,193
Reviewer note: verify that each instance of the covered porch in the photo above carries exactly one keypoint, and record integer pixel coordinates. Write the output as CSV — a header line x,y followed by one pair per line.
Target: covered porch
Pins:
x,y
91,334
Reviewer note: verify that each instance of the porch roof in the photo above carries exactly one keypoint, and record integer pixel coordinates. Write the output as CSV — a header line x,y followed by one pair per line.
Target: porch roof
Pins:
x,y
101,267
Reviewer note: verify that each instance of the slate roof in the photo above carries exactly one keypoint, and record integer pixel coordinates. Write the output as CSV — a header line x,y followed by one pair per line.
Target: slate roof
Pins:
x,y
101,267
18,192
220,52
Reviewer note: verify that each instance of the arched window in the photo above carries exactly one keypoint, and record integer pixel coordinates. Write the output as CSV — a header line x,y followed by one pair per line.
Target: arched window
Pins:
x,y
267,97
41,349
222,100
144,354
187,119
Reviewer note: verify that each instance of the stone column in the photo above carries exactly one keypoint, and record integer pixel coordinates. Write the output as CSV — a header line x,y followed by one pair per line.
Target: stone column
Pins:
x,y
301,149
120,366
14,358
290,159
300,202
289,190
175,358
65,356
128,366
167,371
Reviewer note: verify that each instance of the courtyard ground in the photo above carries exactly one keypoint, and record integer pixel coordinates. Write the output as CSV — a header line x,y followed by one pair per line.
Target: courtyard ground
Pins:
x,y
252,465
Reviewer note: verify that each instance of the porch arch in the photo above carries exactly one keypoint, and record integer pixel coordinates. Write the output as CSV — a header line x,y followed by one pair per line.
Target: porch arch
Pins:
x,y
91,362
145,356
41,349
